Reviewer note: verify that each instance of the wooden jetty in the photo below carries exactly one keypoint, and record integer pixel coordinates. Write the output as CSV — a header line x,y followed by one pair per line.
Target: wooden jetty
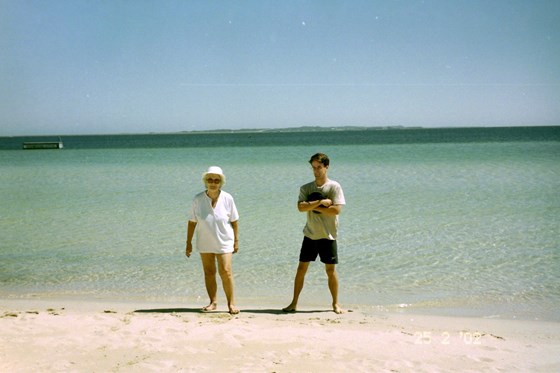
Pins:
x,y
43,145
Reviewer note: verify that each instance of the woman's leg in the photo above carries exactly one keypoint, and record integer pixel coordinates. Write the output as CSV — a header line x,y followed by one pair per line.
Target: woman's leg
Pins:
x,y
224,268
209,266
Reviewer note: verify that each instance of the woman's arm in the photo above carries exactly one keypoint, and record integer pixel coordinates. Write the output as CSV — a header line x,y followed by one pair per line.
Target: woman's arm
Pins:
x,y
191,225
235,236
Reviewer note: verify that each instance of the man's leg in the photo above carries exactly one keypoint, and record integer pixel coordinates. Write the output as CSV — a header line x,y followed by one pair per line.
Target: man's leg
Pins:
x,y
209,267
333,286
298,286
226,274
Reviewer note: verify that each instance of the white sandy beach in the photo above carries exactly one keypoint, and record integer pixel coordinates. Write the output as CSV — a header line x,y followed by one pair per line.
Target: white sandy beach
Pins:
x,y
66,336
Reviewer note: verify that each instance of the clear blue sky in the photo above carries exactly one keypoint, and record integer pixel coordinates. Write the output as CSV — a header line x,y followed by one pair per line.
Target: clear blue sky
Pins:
x,y
80,67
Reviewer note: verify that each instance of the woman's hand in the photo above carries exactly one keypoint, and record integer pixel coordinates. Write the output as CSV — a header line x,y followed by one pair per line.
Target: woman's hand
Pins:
x,y
188,250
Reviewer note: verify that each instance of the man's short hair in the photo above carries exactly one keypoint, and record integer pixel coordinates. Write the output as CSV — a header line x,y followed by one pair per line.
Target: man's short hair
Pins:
x,y
321,158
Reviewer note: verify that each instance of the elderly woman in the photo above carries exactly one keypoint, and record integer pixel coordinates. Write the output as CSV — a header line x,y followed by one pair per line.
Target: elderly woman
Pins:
x,y
214,218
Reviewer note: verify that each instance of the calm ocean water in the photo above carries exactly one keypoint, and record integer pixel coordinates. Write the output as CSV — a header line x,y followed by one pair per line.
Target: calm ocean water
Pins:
x,y
463,222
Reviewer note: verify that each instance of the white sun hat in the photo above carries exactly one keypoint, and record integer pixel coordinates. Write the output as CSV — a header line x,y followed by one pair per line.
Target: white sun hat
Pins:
x,y
214,170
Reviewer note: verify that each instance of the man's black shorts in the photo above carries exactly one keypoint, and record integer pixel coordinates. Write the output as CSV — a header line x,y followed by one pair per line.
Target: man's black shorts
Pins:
x,y
326,249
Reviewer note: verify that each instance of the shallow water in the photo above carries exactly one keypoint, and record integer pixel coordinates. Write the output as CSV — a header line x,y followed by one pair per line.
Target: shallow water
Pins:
x,y
452,228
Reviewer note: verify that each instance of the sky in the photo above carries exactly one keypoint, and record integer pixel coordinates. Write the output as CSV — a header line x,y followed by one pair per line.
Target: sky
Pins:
x,y
138,66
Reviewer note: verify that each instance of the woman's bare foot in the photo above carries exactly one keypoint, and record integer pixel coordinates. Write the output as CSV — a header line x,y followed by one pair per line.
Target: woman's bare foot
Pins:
x,y
290,308
336,308
211,307
233,310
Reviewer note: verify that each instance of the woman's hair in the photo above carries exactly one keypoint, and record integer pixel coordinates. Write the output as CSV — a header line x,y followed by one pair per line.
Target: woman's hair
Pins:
x,y
321,158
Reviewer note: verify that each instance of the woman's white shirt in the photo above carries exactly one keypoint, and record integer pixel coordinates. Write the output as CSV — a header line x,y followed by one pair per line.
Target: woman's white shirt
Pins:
x,y
214,233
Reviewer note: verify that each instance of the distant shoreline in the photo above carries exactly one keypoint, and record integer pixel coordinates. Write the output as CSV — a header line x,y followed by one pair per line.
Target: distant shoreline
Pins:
x,y
299,129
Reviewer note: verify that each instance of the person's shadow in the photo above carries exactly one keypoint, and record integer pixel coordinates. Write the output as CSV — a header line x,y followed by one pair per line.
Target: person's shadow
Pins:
x,y
198,310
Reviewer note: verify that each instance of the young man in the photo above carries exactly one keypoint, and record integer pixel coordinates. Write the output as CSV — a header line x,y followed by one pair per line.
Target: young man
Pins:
x,y
322,200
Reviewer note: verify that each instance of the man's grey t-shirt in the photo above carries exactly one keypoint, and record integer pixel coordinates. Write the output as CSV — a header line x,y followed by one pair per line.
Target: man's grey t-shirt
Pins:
x,y
320,226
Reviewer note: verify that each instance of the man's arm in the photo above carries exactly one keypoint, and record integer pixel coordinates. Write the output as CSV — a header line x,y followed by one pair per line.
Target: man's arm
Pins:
x,y
332,210
324,206
308,206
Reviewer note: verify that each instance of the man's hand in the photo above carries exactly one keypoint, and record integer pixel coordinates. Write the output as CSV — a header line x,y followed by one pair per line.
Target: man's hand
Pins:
x,y
188,250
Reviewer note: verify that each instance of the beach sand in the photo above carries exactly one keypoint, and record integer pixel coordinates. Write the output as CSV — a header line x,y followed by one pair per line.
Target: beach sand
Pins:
x,y
70,336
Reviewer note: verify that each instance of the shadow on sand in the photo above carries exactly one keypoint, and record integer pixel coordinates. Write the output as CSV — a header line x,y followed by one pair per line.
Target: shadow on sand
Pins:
x,y
198,310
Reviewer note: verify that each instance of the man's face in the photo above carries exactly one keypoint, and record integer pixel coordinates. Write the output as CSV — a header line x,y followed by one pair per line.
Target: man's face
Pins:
x,y
319,170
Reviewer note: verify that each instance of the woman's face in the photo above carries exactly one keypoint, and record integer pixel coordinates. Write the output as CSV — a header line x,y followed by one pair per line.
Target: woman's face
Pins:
x,y
213,181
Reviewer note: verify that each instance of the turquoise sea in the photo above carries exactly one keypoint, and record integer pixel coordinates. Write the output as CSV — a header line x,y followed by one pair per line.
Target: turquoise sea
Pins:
x,y
442,221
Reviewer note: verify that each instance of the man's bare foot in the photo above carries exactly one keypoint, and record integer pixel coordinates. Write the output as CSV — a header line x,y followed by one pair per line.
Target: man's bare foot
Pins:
x,y
290,308
336,308
211,307
233,310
